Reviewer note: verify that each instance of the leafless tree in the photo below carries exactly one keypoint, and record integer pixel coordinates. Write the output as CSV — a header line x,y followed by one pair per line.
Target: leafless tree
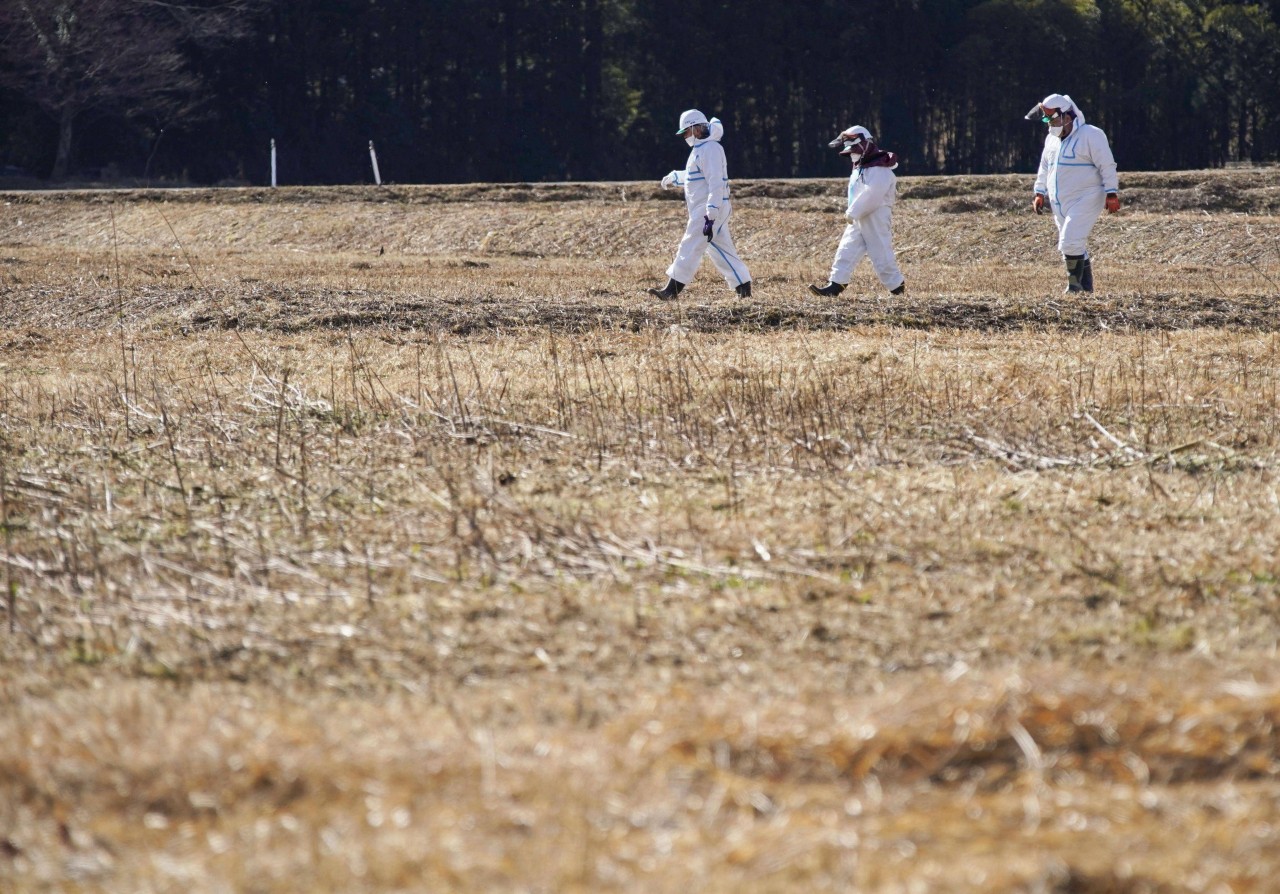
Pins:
x,y
126,56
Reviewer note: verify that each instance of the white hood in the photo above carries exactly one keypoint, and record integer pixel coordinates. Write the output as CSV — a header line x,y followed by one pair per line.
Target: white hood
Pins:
x,y
1060,101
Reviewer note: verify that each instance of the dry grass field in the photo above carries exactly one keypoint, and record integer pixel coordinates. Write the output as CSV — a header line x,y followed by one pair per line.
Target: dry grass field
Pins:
x,y
394,540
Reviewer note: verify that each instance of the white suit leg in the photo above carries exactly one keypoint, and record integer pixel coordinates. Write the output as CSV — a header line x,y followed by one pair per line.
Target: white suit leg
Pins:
x,y
877,233
1075,223
853,248
689,254
724,254
694,245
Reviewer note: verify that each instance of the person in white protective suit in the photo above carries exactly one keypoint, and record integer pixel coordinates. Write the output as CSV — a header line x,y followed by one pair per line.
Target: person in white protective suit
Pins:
x,y
1077,179
705,180
869,234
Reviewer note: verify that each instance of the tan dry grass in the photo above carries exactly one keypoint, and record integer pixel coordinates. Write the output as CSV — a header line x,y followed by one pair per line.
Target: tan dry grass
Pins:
x,y
996,783
461,566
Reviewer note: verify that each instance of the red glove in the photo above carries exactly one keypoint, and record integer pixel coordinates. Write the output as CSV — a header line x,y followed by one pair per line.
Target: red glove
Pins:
x,y
1038,203
1113,203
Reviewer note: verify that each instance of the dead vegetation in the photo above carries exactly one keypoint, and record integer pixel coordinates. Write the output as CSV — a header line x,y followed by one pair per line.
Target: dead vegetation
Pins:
x,y
383,540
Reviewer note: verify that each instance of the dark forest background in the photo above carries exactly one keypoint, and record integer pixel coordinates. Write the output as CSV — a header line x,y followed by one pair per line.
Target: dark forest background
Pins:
x,y
177,91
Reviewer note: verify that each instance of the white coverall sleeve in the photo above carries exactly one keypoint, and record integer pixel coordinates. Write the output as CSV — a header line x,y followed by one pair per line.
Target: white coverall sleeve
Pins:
x,y
1042,176
673,179
876,186
1103,160
714,169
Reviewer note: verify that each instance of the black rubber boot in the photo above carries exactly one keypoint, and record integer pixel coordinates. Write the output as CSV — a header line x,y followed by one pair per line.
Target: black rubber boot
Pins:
x,y
1075,270
669,291
900,290
744,290
1086,275
830,290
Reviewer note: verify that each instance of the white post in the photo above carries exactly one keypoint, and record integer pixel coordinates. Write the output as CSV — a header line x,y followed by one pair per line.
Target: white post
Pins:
x,y
373,156
273,163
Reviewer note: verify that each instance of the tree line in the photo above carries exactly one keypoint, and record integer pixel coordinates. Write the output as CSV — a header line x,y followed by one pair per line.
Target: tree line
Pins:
x,y
193,91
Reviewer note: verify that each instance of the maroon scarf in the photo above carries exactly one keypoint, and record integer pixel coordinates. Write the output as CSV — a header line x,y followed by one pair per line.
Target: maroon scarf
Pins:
x,y
875,157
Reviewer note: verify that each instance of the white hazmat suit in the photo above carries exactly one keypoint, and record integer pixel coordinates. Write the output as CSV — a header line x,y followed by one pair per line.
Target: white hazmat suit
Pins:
x,y
872,194
1076,173
705,180
873,190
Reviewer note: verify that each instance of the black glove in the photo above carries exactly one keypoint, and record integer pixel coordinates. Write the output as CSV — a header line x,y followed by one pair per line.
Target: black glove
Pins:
x,y
707,226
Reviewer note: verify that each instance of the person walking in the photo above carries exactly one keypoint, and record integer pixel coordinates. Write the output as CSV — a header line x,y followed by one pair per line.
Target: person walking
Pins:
x,y
869,234
705,180
1077,179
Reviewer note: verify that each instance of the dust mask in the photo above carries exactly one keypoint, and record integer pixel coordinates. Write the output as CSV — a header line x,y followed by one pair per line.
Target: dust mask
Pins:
x,y
1056,131
692,139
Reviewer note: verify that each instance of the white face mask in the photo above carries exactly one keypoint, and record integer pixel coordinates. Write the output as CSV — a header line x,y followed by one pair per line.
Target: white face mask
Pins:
x,y
1056,131
691,139
855,157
